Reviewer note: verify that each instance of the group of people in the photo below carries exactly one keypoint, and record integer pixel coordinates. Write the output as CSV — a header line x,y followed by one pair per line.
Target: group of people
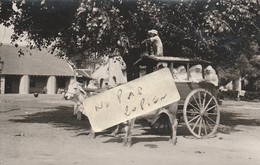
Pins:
x,y
155,47
195,74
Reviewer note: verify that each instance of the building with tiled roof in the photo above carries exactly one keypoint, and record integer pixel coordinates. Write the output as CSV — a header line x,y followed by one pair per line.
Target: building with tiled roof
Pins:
x,y
35,71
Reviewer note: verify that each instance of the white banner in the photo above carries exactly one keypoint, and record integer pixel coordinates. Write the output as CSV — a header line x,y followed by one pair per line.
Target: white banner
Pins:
x,y
131,100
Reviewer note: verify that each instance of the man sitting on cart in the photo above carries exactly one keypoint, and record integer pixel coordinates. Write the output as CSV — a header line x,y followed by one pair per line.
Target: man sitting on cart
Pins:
x,y
153,43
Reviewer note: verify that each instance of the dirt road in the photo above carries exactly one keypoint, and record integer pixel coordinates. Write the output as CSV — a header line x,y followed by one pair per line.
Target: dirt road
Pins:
x,y
42,131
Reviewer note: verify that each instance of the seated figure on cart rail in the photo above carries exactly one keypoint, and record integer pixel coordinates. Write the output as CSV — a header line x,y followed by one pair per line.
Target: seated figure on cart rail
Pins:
x,y
153,44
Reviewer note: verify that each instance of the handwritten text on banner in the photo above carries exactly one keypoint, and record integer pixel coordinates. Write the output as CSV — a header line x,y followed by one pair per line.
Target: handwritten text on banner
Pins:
x,y
131,100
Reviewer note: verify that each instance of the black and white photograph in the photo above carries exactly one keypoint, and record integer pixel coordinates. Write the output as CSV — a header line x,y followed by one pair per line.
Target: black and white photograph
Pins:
x,y
133,82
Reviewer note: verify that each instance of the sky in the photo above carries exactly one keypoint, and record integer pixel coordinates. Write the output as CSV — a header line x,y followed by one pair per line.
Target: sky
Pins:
x,y
5,35
6,32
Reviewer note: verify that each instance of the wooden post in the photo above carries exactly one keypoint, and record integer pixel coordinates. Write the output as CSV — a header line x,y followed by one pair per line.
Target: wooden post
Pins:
x,y
171,67
188,72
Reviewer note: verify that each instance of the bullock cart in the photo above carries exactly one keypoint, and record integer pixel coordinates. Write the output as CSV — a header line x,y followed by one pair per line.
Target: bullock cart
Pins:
x,y
198,104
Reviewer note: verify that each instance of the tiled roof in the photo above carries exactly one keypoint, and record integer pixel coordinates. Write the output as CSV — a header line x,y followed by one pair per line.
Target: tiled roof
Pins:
x,y
33,62
83,72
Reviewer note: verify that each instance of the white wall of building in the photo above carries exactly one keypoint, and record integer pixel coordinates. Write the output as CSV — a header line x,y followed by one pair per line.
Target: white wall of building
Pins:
x,y
51,85
2,85
24,86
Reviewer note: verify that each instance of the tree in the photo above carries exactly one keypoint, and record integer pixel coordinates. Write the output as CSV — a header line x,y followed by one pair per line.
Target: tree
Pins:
x,y
215,30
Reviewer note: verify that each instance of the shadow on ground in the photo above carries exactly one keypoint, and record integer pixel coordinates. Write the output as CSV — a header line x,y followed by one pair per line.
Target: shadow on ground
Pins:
x,y
60,116
229,120
234,119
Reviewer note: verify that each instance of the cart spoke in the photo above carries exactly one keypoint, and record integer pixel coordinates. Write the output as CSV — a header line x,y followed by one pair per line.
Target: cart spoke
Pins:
x,y
193,112
200,126
193,119
199,99
208,125
195,125
194,107
196,101
204,99
210,119
208,103
211,108
205,126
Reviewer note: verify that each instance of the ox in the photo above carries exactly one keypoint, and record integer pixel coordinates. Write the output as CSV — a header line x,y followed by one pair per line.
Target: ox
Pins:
x,y
110,74
77,94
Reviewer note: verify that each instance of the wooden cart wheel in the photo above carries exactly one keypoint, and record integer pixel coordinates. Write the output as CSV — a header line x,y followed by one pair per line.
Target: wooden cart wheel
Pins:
x,y
162,125
201,113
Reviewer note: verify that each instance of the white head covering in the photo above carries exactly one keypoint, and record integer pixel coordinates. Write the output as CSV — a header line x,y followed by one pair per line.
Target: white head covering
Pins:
x,y
210,69
153,32
196,68
210,75
181,73
181,69
174,73
196,73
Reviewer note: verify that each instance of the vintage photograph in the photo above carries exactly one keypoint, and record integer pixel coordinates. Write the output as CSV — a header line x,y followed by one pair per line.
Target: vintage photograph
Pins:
x,y
133,82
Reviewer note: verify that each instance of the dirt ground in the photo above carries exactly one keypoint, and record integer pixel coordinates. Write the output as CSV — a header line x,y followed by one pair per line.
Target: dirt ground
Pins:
x,y
42,131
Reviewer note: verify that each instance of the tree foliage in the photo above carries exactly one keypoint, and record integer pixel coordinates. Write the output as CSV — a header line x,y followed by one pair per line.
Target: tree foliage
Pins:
x,y
215,30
